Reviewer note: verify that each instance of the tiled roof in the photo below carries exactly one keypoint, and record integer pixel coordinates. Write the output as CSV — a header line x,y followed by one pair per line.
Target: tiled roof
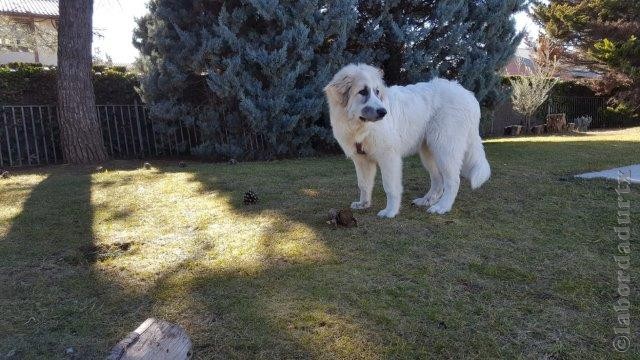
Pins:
x,y
29,7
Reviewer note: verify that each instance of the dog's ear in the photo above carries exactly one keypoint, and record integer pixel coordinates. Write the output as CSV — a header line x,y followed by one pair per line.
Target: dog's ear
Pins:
x,y
338,89
381,72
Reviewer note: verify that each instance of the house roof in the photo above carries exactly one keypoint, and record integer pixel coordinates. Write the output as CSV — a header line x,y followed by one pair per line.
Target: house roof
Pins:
x,y
520,66
47,8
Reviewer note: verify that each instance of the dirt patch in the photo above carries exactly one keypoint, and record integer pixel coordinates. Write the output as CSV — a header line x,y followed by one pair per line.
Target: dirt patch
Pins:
x,y
92,253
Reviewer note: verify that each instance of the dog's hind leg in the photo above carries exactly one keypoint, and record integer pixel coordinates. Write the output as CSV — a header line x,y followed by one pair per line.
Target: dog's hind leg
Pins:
x,y
448,158
436,187
366,172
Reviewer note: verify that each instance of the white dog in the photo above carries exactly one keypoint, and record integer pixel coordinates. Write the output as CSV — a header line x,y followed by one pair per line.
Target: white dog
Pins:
x,y
375,124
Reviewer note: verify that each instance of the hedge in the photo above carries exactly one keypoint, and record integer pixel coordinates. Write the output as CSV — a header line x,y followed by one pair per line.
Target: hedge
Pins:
x,y
34,84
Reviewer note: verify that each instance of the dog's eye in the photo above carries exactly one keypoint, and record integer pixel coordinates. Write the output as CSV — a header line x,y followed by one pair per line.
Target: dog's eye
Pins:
x,y
364,92
377,92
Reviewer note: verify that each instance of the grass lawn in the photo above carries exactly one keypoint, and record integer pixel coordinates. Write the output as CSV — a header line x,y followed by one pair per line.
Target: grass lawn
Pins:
x,y
521,268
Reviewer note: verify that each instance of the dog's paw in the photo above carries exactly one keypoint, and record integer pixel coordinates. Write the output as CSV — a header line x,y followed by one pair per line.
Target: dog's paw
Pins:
x,y
427,200
423,201
387,214
419,202
439,209
359,205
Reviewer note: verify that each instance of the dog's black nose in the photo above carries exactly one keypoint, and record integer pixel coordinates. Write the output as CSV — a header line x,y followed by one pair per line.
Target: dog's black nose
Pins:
x,y
381,113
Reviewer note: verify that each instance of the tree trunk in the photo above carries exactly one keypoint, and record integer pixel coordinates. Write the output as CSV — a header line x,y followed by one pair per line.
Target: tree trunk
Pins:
x,y
80,131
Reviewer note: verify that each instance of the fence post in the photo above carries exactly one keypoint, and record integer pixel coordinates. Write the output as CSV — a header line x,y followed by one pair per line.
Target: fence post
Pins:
x,y
44,136
153,131
35,136
6,134
146,127
15,131
53,139
135,106
26,138
1,158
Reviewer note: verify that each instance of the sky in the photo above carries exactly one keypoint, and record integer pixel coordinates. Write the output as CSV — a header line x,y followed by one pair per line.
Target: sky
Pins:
x,y
524,22
115,21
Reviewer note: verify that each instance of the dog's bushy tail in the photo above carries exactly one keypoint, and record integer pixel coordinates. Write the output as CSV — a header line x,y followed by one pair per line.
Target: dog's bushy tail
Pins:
x,y
476,167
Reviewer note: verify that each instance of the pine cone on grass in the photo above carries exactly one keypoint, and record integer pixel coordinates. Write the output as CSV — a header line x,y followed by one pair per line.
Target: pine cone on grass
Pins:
x,y
250,198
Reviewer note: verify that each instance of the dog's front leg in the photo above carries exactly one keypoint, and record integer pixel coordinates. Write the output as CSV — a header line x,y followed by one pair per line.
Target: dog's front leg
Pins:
x,y
366,172
391,169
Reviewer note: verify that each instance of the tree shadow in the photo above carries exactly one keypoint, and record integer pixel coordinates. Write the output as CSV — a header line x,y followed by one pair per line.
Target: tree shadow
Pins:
x,y
299,305
52,298
375,276
401,287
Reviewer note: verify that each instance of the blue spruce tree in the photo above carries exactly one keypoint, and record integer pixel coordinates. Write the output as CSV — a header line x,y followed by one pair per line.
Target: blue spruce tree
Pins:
x,y
249,73
415,40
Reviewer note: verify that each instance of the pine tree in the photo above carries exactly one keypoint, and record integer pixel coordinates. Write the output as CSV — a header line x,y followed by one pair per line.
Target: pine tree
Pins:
x,y
79,127
415,40
250,73
602,35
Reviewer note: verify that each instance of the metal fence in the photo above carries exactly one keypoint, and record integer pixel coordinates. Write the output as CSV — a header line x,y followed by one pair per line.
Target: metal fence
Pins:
x,y
595,107
572,106
29,134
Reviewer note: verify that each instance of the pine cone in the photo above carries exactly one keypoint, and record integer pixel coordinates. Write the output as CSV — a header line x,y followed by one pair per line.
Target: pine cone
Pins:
x,y
250,198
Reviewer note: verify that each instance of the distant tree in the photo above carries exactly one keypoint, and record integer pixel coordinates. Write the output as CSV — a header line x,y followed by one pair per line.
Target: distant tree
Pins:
x,y
25,35
602,35
100,58
415,40
250,73
80,131
530,91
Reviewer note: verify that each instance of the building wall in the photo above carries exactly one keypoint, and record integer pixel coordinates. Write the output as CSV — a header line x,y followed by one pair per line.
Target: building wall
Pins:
x,y
46,56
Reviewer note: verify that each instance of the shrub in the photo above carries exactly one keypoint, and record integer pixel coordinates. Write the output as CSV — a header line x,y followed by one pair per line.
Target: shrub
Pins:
x,y
583,122
620,114
248,73
34,84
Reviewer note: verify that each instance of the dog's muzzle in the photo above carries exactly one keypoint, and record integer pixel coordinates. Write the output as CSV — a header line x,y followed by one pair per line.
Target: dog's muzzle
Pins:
x,y
371,114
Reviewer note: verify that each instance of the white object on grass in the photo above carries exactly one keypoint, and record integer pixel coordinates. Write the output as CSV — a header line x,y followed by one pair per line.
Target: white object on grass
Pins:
x,y
632,172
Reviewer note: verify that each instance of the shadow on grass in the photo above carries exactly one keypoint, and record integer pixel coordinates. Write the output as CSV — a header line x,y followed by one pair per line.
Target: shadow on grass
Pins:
x,y
407,287
53,302
385,285
41,290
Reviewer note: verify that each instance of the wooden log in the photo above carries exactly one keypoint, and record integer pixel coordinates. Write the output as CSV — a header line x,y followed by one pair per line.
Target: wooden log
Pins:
x,y
556,123
538,129
153,339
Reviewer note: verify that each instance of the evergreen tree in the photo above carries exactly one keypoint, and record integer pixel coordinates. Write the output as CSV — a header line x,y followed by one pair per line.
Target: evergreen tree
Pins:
x,y
415,40
250,73
603,35
81,137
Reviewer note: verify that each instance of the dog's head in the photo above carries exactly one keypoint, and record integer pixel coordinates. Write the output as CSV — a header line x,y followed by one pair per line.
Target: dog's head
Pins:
x,y
359,89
